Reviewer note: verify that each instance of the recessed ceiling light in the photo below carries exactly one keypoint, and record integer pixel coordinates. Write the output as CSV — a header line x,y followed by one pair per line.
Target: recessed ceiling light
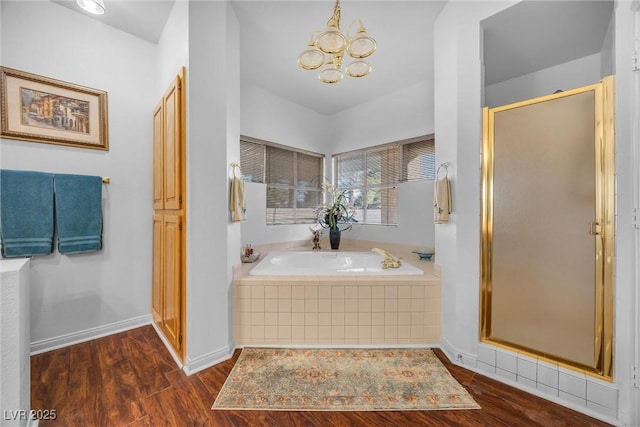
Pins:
x,y
92,6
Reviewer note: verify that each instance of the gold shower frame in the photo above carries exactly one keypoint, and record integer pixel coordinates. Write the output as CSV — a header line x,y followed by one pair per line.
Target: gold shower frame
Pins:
x,y
605,217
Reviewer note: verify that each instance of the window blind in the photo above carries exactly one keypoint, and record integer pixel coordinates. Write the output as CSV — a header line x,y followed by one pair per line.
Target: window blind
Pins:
x,y
370,176
418,160
293,180
252,161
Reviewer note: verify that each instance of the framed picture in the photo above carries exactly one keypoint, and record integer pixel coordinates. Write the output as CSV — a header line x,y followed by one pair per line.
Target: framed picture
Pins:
x,y
40,109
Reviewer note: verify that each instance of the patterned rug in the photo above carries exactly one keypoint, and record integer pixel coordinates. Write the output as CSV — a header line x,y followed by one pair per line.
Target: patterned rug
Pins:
x,y
341,380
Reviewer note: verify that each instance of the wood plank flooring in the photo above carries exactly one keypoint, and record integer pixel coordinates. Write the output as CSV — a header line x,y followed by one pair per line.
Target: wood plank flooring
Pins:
x,y
129,379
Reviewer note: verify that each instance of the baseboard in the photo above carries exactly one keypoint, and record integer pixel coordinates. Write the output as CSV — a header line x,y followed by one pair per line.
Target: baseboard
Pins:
x,y
168,346
207,360
66,340
448,349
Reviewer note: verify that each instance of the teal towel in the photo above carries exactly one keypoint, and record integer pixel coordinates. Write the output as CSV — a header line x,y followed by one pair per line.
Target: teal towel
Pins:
x,y
78,213
26,213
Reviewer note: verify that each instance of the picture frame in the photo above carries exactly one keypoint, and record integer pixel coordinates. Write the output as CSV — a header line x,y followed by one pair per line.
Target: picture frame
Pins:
x,y
41,109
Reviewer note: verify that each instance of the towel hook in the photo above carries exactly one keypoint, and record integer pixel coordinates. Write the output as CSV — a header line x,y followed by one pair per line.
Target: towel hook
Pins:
x,y
235,166
444,165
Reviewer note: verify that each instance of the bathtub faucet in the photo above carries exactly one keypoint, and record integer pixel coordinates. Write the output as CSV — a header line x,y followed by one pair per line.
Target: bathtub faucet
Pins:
x,y
389,260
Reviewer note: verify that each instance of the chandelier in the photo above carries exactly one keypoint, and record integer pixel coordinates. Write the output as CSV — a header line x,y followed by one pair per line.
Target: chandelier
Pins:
x,y
334,44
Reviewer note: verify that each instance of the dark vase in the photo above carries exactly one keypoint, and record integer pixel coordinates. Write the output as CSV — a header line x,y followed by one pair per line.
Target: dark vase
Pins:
x,y
334,237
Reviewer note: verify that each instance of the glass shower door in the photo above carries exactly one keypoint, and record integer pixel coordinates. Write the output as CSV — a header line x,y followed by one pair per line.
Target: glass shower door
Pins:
x,y
545,225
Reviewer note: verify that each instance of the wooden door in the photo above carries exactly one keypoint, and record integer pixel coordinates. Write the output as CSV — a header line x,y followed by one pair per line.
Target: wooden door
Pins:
x,y
173,146
169,242
158,156
156,290
172,279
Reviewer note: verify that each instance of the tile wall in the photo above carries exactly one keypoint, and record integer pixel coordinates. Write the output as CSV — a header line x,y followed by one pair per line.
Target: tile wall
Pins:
x,y
336,311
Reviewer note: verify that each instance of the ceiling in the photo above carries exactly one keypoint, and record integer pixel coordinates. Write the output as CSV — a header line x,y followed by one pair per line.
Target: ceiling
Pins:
x,y
527,37
274,33
142,18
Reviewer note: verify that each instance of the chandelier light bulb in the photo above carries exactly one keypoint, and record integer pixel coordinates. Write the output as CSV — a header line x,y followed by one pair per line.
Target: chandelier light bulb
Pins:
x,y
358,69
330,74
331,40
311,59
361,45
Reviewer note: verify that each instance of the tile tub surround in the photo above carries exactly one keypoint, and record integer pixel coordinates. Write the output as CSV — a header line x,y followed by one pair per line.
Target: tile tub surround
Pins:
x,y
338,310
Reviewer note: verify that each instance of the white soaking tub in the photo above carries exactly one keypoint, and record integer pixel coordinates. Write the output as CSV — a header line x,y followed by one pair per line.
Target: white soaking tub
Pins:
x,y
308,263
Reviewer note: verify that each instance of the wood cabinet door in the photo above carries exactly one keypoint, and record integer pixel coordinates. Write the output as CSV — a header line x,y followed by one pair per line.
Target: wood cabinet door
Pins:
x,y
172,279
169,244
157,288
158,157
173,146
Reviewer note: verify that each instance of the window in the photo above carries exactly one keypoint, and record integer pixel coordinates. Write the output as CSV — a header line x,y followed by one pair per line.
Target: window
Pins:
x,y
419,160
293,178
371,176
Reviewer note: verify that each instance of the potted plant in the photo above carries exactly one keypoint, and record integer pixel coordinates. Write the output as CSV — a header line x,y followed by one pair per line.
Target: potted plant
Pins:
x,y
337,210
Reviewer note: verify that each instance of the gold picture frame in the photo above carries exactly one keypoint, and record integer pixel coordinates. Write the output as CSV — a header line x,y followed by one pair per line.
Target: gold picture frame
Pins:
x,y
41,109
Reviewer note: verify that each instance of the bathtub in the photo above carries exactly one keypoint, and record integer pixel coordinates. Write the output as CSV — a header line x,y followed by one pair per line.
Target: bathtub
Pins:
x,y
308,263
286,300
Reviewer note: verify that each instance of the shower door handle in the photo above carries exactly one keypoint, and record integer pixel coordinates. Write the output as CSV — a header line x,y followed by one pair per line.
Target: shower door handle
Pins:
x,y
596,228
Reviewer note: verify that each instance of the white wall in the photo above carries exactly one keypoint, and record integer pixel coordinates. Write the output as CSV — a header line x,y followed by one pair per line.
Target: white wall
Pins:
x,y
458,128
272,118
173,47
400,115
570,75
403,114
627,329
15,368
255,230
607,52
74,293
213,138
415,220
234,230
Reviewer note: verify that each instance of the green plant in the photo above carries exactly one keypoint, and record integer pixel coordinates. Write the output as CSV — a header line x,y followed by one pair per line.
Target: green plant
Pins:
x,y
337,210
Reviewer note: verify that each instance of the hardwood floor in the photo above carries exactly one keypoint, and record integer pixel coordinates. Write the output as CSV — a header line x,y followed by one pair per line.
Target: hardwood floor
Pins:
x,y
129,379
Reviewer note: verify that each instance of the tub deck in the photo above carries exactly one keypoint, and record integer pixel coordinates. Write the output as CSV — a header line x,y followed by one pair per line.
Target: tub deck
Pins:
x,y
337,263
338,310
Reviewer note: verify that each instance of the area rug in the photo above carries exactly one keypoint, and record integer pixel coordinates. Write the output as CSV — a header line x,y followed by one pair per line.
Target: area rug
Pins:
x,y
341,380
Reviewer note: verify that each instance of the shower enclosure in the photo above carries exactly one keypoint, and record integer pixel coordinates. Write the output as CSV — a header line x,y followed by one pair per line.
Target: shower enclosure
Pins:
x,y
548,227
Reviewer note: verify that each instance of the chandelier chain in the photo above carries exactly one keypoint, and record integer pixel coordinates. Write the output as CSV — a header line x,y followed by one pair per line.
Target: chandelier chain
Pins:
x,y
334,21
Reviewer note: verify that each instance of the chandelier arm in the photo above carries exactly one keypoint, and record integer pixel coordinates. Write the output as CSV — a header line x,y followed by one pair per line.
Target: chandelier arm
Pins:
x,y
314,36
351,25
334,21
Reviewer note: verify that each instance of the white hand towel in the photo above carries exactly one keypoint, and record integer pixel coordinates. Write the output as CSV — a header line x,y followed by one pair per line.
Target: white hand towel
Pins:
x,y
442,201
237,204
